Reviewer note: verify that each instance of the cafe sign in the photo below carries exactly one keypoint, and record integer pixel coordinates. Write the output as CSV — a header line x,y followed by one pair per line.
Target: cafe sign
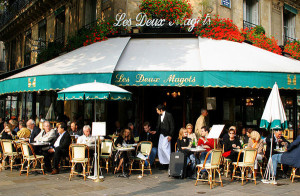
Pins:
x,y
142,20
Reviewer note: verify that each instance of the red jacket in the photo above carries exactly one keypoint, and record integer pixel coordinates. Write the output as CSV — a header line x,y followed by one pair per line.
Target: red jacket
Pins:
x,y
210,143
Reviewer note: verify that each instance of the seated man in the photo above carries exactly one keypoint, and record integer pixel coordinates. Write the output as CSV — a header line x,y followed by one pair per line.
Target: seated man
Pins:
x,y
47,134
278,142
152,136
74,129
291,157
33,129
24,132
86,138
59,148
208,144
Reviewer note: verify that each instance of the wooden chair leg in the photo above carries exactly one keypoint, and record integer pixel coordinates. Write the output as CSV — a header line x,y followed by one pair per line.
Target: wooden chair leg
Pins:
x,y
233,173
143,163
220,177
22,167
106,165
243,175
254,175
210,178
28,167
131,167
198,174
149,167
42,166
84,176
11,163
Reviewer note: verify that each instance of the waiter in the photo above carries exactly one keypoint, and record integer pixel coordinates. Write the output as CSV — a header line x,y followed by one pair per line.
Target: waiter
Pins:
x,y
165,128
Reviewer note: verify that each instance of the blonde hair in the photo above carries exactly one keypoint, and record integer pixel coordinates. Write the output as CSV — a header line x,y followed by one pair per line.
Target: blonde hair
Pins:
x,y
123,134
181,132
189,125
255,135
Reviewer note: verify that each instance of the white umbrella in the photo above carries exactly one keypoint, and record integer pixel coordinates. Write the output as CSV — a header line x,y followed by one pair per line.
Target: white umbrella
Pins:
x,y
94,91
273,118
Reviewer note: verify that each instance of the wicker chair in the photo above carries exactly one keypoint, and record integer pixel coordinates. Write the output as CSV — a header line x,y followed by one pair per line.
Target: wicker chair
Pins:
x,y
106,151
31,159
211,167
77,154
145,149
8,147
247,163
293,174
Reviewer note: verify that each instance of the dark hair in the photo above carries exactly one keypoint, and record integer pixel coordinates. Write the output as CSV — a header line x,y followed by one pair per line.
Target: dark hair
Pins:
x,y
22,124
63,126
146,124
161,107
249,130
205,128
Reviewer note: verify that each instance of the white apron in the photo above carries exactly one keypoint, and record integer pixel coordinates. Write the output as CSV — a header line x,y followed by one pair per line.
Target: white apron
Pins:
x,y
164,149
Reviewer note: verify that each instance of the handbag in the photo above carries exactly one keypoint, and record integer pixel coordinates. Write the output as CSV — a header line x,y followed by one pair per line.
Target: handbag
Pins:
x,y
226,154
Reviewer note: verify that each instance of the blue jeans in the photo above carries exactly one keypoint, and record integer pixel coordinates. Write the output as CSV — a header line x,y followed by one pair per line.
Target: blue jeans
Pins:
x,y
276,158
152,156
202,157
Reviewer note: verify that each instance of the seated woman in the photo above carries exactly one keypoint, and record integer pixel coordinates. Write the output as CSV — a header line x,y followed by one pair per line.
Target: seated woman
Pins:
x,y
121,157
229,146
182,142
256,142
191,135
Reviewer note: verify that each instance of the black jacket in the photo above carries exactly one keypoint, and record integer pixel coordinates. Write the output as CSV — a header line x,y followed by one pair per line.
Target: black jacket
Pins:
x,y
151,137
167,126
64,143
34,133
228,144
268,140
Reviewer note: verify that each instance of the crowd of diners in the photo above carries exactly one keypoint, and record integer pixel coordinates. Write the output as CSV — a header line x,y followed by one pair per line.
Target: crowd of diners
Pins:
x,y
59,138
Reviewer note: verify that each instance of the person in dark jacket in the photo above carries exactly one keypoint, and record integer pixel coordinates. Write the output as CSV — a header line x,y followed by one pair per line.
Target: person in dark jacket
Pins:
x,y
59,148
121,157
291,157
278,142
34,130
232,143
165,127
152,136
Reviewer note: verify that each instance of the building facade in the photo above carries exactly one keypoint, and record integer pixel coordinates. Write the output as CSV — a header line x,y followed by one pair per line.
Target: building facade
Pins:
x,y
28,26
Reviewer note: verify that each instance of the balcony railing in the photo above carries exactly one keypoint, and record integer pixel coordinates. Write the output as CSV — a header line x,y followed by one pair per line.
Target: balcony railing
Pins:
x,y
249,25
12,10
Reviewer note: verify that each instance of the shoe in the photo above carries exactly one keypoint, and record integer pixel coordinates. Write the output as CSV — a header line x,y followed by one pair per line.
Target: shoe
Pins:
x,y
55,171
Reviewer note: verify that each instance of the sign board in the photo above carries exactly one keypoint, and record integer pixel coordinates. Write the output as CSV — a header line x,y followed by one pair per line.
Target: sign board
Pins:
x,y
211,103
215,131
99,129
226,3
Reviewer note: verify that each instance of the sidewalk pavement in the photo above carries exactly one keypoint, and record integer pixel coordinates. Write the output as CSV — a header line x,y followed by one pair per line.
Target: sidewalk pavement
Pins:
x,y
156,184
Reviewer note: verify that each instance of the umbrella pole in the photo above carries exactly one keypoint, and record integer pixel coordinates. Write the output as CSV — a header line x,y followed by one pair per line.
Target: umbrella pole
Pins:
x,y
95,111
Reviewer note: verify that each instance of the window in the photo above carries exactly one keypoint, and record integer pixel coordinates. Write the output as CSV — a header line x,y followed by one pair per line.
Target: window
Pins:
x,y
12,59
250,13
27,56
60,25
42,35
289,18
90,11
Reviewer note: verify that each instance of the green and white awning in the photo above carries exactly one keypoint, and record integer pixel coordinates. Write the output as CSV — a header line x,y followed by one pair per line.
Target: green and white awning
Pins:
x,y
94,91
203,62
86,64
160,62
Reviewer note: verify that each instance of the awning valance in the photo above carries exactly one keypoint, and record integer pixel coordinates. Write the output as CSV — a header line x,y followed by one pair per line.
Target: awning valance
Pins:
x,y
86,64
203,62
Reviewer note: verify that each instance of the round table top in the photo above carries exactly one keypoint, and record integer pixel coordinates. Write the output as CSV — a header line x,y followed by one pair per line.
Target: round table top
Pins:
x,y
195,149
125,148
40,144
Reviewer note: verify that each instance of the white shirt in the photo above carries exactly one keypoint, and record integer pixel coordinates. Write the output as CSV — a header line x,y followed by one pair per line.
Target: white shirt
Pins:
x,y
86,140
56,144
162,116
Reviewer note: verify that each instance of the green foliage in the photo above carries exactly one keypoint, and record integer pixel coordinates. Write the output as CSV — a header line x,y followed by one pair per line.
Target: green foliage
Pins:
x,y
259,30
